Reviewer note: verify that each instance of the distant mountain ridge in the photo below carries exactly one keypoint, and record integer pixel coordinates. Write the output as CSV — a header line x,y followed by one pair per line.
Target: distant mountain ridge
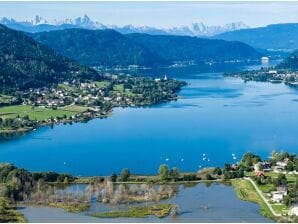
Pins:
x,y
25,63
111,48
39,24
271,37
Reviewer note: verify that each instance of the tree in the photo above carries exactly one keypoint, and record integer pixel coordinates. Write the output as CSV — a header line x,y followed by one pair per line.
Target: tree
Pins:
x,y
113,177
217,171
249,159
227,167
174,174
66,181
209,177
240,173
287,200
163,172
125,174
290,166
261,167
190,177
281,180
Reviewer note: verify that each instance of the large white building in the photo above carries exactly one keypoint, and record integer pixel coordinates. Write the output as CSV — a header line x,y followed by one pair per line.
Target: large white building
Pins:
x,y
265,60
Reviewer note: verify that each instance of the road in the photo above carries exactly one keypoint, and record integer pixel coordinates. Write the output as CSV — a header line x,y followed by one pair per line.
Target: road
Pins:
x,y
262,196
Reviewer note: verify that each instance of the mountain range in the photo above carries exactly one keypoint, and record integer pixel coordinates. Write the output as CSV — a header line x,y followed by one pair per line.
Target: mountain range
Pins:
x,y
272,37
111,48
25,63
268,37
39,24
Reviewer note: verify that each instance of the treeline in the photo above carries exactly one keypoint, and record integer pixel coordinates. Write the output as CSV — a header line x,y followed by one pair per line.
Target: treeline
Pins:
x,y
16,123
17,184
164,174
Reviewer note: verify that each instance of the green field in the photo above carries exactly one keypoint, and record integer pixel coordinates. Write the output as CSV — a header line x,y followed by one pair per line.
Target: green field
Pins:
x,y
267,188
102,84
280,209
39,113
119,88
75,108
245,191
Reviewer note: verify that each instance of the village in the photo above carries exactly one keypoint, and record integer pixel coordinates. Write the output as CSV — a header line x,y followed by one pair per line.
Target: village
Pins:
x,y
276,181
75,100
268,75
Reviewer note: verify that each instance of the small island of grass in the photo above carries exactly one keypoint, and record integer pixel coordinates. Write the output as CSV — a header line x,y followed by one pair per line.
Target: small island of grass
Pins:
x,y
71,207
159,210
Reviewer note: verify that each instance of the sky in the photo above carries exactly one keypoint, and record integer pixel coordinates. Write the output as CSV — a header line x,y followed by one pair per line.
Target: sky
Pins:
x,y
158,14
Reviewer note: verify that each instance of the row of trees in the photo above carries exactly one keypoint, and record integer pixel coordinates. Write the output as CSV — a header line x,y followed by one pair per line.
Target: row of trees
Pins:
x,y
17,122
124,176
17,184
164,173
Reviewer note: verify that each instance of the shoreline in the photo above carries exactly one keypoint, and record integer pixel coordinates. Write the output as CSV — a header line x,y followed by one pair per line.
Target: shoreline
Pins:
x,y
244,187
106,114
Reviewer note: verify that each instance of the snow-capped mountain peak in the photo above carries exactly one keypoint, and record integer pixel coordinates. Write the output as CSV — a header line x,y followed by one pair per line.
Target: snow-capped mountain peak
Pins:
x,y
38,20
194,29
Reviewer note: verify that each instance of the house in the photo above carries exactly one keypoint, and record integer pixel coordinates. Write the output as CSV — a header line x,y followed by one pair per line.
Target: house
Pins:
x,y
260,173
277,197
283,164
278,169
234,167
266,166
272,72
293,210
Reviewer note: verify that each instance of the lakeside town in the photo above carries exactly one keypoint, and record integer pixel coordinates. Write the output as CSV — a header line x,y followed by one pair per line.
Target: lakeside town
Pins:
x,y
272,183
276,74
78,101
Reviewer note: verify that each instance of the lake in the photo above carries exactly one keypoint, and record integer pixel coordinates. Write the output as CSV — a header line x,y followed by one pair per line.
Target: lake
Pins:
x,y
199,203
217,116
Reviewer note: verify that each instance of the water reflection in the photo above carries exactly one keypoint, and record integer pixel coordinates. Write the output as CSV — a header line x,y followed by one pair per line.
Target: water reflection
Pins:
x,y
204,202
105,192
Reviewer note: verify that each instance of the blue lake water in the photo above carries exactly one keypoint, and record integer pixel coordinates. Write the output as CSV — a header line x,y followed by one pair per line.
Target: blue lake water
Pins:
x,y
216,116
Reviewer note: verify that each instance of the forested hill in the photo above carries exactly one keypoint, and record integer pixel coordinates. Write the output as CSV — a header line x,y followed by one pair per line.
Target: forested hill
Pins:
x,y
98,47
275,36
110,48
25,63
185,48
291,62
